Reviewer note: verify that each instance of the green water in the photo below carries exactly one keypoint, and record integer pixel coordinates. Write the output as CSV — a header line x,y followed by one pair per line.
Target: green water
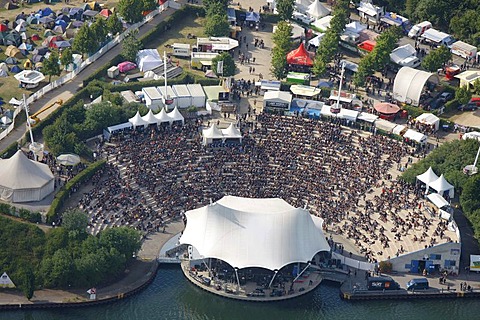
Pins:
x,y
171,296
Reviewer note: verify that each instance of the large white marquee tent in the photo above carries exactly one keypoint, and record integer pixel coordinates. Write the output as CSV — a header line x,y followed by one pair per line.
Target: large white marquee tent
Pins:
x,y
408,84
24,180
245,232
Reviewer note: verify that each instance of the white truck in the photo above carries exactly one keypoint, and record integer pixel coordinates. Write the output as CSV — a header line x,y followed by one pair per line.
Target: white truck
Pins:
x,y
464,50
438,38
405,56
418,29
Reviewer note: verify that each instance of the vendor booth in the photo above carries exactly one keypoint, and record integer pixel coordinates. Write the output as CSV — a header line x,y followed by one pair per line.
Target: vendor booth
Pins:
x,y
429,119
416,136
385,125
387,111
277,100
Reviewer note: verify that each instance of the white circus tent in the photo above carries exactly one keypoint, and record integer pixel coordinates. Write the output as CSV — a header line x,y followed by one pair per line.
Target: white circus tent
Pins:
x,y
24,180
317,10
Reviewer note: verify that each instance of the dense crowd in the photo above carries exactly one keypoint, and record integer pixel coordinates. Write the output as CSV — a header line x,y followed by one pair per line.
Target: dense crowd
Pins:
x,y
156,175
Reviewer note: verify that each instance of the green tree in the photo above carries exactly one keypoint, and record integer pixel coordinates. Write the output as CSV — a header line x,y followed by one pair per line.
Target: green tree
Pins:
x,y
130,10
130,46
410,6
126,241
59,137
99,31
366,68
66,57
217,26
436,59
150,5
438,12
101,115
463,95
386,43
228,64
75,220
466,26
476,86
84,41
282,45
51,66
285,9
215,8
114,25
27,280
208,3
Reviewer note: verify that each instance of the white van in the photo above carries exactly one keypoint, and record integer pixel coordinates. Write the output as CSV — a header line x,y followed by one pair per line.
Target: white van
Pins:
x,y
418,29
181,50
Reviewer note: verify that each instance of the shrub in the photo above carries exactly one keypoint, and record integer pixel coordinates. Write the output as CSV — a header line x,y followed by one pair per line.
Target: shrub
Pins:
x,y
64,192
413,111
269,17
10,150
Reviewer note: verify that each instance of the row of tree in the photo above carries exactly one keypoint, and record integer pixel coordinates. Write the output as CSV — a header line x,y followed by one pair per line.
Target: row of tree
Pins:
x,y
282,44
66,256
450,159
216,24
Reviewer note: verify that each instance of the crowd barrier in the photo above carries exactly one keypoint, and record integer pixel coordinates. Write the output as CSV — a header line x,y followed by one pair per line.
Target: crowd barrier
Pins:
x,y
354,263
71,75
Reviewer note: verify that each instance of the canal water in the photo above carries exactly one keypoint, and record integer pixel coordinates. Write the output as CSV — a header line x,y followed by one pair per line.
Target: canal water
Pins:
x,y
171,296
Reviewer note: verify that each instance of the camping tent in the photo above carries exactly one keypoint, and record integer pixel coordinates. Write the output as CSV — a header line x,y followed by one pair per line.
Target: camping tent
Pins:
x,y
45,12
3,74
317,10
11,60
6,282
148,59
24,180
106,13
12,38
4,67
429,119
14,52
441,185
6,120
300,56
15,69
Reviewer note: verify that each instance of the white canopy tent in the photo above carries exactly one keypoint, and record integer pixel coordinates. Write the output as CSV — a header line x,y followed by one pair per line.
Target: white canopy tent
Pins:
x,y
429,119
437,200
24,180
428,176
441,185
317,10
408,84
348,114
212,133
316,41
367,117
232,132
415,136
119,127
403,52
175,115
264,233
323,23
150,118
148,59
326,111
399,129
355,27
385,125
137,121
162,117
471,135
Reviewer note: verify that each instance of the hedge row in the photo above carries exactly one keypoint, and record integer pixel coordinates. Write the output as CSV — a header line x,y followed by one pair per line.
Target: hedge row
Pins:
x,y
21,213
10,150
64,191
269,17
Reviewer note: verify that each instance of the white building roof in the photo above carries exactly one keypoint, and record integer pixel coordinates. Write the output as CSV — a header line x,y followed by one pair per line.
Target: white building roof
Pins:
x,y
181,90
152,93
244,232
196,90
169,92
385,125
368,117
348,114
283,96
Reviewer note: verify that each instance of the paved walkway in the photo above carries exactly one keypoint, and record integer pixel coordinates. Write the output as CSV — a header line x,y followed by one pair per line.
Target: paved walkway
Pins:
x,y
69,89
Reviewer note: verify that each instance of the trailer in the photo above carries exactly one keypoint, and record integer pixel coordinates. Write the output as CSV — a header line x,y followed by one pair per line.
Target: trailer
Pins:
x,y
202,60
464,50
394,19
437,37
153,98
181,49
184,99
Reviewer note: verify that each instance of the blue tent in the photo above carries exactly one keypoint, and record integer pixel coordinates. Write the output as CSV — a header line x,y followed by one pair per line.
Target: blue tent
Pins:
x,y
45,12
63,17
61,23
32,20
253,17
15,69
76,13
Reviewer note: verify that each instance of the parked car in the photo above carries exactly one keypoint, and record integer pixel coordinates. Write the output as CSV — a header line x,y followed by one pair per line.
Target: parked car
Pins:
x,y
475,100
302,18
436,103
418,284
445,96
468,107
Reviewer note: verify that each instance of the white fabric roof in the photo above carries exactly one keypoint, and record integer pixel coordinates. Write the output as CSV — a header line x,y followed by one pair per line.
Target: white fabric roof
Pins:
x,y
428,176
150,117
326,111
415,136
348,114
368,117
317,10
355,27
232,132
148,59
409,83
401,53
441,184
30,76
430,119
471,135
162,116
303,90
212,133
316,41
323,23
398,129
120,126
19,172
265,233
437,200
137,120
282,96
368,8
175,115
385,125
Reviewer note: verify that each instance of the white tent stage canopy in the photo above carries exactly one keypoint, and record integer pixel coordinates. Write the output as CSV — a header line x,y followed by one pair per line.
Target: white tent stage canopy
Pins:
x,y
24,180
441,185
246,232
213,133
428,176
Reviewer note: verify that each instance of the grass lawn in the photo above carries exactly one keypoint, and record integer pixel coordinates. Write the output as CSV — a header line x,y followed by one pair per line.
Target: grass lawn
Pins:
x,y
178,34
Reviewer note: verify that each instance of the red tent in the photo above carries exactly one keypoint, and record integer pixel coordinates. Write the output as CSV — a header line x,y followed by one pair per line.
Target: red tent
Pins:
x,y
300,56
3,27
386,108
106,13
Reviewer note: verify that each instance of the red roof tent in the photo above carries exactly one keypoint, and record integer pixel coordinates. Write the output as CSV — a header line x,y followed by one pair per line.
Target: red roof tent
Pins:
x,y
367,45
3,27
106,13
386,108
300,56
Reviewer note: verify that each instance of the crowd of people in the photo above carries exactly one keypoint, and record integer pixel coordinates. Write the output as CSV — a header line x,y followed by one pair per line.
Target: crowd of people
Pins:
x,y
156,175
